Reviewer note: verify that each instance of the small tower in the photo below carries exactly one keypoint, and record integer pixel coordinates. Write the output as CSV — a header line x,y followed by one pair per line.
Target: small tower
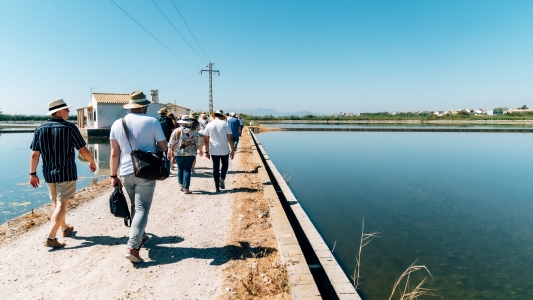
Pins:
x,y
155,96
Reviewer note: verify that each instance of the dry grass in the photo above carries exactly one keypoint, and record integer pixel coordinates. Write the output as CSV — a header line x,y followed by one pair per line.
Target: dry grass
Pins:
x,y
365,239
41,215
259,274
410,292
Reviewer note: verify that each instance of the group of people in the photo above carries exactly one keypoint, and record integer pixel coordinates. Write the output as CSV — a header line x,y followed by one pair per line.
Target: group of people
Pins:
x,y
216,136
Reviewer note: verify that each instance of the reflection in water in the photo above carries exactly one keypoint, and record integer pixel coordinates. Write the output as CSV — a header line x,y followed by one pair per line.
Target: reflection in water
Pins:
x,y
16,195
459,203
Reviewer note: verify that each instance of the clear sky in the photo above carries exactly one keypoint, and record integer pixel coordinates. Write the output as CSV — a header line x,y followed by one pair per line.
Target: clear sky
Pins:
x,y
319,56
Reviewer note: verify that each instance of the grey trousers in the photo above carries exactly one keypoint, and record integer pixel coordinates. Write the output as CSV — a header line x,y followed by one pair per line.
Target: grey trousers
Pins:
x,y
140,191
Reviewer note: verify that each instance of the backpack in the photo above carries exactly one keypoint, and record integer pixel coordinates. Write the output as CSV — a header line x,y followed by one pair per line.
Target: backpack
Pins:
x,y
166,125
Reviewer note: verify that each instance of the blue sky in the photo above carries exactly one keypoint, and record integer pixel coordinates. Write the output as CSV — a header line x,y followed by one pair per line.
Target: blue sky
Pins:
x,y
319,56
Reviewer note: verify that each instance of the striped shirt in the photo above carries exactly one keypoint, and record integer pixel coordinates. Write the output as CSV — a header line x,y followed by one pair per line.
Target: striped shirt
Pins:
x,y
56,140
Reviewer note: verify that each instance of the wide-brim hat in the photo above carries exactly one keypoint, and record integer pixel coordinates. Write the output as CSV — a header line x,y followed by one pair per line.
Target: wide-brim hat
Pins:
x,y
57,105
193,116
162,111
232,114
137,100
185,120
219,113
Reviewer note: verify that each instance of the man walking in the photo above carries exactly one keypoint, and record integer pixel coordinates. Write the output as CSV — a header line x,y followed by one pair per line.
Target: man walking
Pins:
x,y
235,128
55,141
168,127
218,141
145,133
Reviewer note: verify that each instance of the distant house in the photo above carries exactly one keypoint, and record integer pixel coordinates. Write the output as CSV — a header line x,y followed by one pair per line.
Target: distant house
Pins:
x,y
519,110
106,108
177,110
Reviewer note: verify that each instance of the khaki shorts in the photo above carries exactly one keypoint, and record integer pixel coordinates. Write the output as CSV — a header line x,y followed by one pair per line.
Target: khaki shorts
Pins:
x,y
62,191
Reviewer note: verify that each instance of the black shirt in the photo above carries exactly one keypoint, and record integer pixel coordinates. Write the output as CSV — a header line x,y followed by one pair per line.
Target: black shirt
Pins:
x,y
56,140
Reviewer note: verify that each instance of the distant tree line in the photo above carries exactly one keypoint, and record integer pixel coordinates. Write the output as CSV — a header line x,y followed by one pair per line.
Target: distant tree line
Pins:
x,y
26,118
384,116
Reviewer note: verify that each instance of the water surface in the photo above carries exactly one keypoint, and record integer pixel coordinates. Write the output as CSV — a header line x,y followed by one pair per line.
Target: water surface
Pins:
x,y
459,203
16,195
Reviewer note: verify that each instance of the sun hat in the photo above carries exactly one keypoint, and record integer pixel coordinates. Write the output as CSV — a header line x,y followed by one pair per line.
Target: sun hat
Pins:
x,y
137,100
219,113
193,116
163,111
185,120
232,114
57,105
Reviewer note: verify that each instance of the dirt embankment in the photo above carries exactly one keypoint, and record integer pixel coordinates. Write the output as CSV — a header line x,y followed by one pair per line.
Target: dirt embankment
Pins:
x,y
203,246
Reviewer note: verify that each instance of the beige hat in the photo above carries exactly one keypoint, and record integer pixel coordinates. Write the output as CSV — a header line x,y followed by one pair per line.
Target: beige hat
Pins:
x,y
219,113
137,100
57,105
163,111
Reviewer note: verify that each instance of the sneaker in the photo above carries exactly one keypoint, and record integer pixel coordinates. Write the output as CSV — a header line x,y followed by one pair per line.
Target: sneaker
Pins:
x,y
68,231
54,243
217,191
222,184
144,241
133,256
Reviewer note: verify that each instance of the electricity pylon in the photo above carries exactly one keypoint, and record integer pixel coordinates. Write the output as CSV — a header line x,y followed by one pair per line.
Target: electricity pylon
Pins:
x,y
210,66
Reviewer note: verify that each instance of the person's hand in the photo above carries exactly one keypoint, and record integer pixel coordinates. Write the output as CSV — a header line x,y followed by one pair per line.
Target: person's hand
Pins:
x,y
169,156
92,166
201,153
34,181
116,181
232,154
207,155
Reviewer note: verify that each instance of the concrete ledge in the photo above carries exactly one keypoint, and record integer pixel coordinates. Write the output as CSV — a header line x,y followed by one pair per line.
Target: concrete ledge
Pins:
x,y
340,282
301,280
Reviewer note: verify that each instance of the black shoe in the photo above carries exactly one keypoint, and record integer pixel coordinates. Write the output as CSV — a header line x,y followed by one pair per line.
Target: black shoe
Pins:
x,y
222,184
218,190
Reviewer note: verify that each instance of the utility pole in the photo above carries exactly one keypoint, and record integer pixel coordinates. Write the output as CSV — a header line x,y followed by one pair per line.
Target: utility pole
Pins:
x,y
210,66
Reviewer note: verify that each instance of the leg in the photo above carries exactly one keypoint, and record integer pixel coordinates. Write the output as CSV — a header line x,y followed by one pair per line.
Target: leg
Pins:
x,y
167,162
143,194
180,161
58,218
188,161
193,164
216,169
225,160
235,142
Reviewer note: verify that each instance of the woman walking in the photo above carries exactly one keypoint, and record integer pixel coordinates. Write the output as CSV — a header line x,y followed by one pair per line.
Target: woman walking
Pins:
x,y
184,144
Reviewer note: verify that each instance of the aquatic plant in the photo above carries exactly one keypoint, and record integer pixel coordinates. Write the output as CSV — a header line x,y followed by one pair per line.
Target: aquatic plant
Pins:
x,y
409,292
365,239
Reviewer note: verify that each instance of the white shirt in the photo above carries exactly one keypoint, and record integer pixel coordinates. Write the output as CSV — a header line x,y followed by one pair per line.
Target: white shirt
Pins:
x,y
144,133
218,131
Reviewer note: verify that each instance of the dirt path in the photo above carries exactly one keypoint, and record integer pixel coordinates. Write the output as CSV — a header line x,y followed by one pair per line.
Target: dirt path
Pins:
x,y
203,245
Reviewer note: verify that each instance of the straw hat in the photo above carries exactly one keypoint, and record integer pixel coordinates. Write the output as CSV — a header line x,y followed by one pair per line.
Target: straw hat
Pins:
x,y
185,120
163,111
219,113
57,105
137,100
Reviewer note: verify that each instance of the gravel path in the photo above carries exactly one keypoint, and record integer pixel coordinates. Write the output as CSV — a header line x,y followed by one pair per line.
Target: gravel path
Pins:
x,y
183,259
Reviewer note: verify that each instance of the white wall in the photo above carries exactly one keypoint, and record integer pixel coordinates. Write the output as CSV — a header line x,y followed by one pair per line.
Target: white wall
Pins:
x,y
107,114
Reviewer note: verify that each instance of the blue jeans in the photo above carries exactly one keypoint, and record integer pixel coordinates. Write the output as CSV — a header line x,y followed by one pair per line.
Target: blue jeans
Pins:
x,y
184,170
217,172
167,162
140,191
235,142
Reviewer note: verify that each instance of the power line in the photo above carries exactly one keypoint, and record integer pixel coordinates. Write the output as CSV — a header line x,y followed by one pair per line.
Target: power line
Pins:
x,y
190,30
176,29
152,34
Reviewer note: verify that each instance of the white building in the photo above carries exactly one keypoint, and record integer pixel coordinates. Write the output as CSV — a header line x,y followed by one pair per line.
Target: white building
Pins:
x,y
106,108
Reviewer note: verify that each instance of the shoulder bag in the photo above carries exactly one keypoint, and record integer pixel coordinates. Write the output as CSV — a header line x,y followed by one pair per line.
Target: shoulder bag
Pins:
x,y
147,165
119,206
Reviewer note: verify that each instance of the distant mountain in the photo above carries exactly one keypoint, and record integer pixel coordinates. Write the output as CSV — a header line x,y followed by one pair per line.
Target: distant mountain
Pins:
x,y
266,112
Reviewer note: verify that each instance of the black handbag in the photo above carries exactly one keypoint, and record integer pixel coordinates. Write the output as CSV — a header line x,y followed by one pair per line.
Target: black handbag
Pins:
x,y
147,165
119,206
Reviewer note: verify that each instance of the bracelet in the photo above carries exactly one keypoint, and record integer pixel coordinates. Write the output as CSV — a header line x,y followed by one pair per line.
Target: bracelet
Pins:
x,y
113,176
34,173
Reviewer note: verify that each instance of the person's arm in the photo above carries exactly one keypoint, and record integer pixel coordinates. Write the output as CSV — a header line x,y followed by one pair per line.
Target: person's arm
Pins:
x,y
206,141
162,145
230,142
84,152
114,161
34,162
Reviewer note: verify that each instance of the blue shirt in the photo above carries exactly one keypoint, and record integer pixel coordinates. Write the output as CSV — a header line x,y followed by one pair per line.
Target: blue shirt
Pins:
x,y
234,125
56,140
